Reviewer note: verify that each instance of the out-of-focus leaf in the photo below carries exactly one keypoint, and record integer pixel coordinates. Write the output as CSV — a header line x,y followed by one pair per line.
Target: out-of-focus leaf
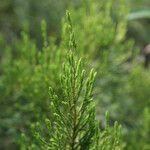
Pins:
x,y
139,15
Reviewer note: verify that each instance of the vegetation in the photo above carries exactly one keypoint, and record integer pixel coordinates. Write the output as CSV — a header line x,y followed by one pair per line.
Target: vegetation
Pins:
x,y
72,114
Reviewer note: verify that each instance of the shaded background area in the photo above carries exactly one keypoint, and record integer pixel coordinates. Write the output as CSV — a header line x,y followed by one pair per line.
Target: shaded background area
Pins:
x,y
139,28
18,15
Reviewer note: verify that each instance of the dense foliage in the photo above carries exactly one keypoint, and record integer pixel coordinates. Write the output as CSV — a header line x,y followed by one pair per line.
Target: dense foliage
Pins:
x,y
67,117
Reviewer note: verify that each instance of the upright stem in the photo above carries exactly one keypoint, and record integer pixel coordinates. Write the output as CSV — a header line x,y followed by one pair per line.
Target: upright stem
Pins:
x,y
74,111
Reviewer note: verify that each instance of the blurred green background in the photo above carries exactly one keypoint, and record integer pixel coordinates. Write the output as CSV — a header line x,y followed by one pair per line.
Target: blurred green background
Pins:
x,y
18,15
122,85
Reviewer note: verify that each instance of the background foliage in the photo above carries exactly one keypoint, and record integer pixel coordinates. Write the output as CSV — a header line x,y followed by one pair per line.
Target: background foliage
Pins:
x,y
32,52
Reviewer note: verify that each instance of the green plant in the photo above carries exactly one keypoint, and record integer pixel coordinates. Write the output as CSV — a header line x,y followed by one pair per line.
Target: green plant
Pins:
x,y
25,72
140,135
72,124
121,86
100,28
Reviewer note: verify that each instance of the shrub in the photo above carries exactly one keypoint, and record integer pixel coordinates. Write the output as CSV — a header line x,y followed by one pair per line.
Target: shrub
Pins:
x,y
25,78
121,86
140,135
72,124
